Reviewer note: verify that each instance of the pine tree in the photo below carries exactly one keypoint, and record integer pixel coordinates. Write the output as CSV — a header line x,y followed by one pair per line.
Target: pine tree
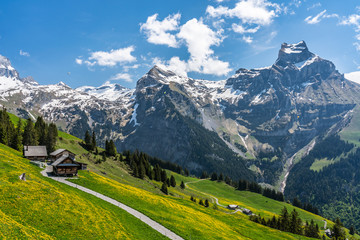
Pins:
x,y
352,230
172,181
221,177
87,140
295,223
186,172
182,185
142,171
51,137
93,142
214,176
338,230
157,171
16,142
163,176
296,203
29,135
207,203
201,202
107,147
204,175
41,129
227,180
284,220
168,182
7,129
164,188
111,148
103,157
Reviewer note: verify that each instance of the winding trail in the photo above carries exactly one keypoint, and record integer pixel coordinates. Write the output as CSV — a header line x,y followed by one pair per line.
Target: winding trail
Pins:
x,y
214,199
156,226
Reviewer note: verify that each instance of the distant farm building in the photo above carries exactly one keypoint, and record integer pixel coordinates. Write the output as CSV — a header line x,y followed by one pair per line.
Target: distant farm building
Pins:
x,y
232,207
35,153
247,211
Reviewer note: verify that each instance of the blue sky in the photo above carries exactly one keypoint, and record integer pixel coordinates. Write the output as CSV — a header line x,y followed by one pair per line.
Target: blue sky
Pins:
x,y
91,42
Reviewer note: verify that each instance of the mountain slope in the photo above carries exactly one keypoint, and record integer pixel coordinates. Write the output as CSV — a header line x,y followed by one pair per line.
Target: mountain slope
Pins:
x,y
112,178
267,113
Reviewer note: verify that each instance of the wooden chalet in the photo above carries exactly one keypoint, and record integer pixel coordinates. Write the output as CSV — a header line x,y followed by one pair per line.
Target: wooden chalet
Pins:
x,y
59,153
65,166
35,153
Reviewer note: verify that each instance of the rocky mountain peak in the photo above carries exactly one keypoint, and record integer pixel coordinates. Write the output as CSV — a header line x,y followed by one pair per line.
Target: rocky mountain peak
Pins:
x,y
30,80
154,76
293,53
6,69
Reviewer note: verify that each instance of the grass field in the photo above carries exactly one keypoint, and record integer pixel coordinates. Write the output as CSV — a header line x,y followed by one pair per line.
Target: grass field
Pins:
x,y
319,164
352,132
40,208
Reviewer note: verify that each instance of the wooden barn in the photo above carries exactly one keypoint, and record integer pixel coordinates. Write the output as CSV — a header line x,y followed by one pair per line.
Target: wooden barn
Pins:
x,y
35,153
59,153
65,166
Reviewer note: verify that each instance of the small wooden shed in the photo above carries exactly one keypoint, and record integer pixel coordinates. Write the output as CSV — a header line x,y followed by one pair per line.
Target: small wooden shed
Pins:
x,y
35,153
65,166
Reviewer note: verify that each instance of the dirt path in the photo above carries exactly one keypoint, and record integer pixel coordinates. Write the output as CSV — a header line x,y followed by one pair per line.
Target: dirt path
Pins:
x,y
214,199
161,229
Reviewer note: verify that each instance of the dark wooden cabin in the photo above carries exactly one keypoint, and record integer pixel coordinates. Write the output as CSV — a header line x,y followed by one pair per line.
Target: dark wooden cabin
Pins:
x,y
35,153
65,166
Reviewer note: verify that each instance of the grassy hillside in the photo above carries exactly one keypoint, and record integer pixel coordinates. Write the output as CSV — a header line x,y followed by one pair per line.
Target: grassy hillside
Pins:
x,y
41,208
112,178
186,218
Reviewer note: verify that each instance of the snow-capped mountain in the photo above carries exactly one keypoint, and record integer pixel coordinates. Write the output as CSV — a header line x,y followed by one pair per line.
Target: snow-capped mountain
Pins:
x,y
107,91
203,125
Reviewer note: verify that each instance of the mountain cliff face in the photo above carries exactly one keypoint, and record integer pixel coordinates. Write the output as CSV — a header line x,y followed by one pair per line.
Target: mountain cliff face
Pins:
x,y
267,113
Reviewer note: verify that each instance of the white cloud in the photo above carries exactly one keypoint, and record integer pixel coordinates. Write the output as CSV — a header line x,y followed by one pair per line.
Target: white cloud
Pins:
x,y
357,46
175,65
260,12
23,53
79,61
157,32
316,19
122,76
315,5
199,38
240,29
127,68
109,59
353,76
353,19
247,39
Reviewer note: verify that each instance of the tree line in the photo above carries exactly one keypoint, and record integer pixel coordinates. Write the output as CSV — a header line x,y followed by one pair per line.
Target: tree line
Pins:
x,y
30,134
244,185
141,167
289,222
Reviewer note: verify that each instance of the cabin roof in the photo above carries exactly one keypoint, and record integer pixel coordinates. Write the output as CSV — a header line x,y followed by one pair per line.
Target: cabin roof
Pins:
x,y
68,165
56,152
35,151
61,159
